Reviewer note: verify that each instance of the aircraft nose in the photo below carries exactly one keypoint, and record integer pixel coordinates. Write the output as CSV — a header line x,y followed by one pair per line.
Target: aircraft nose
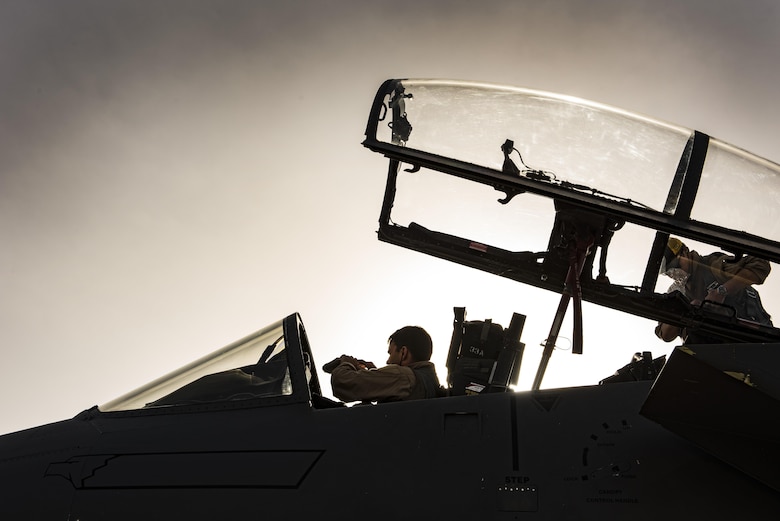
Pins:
x,y
36,469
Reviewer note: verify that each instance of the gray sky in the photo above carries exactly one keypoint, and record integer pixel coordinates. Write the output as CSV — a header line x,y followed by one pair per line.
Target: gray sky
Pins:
x,y
177,174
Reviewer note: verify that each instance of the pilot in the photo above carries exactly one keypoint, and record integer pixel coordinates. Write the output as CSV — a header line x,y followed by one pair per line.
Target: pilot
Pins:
x,y
408,375
717,277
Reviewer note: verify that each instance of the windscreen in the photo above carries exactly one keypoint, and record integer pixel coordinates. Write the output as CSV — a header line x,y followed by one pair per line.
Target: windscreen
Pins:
x,y
252,367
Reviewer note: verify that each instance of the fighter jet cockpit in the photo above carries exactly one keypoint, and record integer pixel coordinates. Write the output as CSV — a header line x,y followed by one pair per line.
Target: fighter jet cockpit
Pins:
x,y
560,193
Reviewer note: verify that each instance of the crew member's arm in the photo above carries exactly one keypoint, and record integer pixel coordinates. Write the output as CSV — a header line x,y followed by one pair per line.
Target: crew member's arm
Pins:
x,y
352,384
752,271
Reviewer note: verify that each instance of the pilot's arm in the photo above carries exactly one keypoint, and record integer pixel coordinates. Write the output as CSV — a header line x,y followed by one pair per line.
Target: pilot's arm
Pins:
x,y
734,277
350,383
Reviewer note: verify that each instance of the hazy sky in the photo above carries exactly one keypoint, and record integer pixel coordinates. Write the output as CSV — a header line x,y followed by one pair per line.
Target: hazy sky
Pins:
x,y
175,175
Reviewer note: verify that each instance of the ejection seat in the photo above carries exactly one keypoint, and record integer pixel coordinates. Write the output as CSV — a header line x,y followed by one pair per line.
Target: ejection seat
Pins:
x,y
483,357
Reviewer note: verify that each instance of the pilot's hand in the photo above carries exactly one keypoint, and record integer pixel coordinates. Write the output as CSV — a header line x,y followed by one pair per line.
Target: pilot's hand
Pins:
x,y
358,364
667,332
367,365
714,296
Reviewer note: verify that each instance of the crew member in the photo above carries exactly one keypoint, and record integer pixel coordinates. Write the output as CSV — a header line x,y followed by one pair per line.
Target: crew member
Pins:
x,y
717,277
408,375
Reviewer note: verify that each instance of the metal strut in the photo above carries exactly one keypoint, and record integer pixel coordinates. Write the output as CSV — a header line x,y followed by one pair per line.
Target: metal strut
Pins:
x,y
578,251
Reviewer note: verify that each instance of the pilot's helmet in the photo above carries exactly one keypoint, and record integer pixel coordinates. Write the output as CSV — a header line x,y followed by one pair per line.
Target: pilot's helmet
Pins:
x,y
671,259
